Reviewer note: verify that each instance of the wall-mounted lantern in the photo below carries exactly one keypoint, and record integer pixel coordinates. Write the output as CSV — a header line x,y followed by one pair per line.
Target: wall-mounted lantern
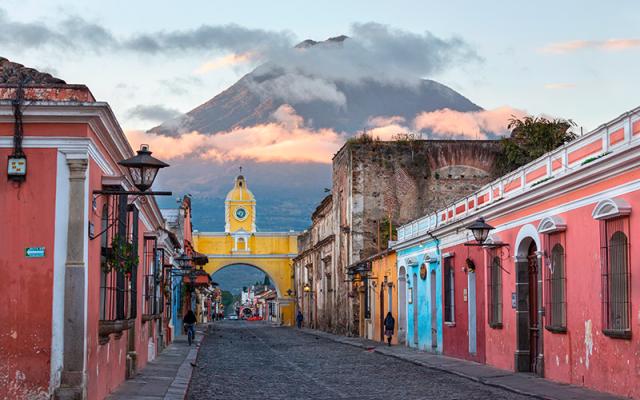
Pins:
x,y
143,168
480,230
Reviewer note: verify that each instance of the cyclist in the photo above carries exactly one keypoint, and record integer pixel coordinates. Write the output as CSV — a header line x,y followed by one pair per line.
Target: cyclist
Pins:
x,y
189,322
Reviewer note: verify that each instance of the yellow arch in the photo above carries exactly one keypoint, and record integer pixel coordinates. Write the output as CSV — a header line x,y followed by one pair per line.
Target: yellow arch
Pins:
x,y
271,253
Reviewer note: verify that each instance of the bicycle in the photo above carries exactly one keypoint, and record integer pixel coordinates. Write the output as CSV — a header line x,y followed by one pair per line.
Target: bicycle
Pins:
x,y
191,332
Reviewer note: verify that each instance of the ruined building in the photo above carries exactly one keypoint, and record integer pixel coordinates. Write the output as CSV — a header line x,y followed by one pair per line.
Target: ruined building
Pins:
x,y
377,186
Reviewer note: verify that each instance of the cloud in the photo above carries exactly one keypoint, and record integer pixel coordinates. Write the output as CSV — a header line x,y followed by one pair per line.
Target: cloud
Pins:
x,y
386,127
467,125
575,45
293,87
72,33
181,85
153,112
286,139
222,62
559,85
372,51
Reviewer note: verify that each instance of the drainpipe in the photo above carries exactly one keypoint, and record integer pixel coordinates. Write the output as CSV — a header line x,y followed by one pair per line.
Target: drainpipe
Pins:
x,y
436,240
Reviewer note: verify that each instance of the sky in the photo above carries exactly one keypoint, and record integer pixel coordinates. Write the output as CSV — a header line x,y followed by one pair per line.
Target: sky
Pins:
x,y
572,59
154,60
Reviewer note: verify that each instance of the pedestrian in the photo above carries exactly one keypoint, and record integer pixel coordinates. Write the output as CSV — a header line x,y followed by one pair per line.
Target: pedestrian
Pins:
x,y
389,325
299,319
189,322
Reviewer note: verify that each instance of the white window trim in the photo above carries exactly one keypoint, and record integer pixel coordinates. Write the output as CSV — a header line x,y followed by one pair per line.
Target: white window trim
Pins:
x,y
551,224
611,208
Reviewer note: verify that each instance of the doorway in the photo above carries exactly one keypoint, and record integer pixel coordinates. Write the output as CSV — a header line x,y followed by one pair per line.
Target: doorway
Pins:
x,y
534,328
528,292
402,305
382,313
434,309
414,301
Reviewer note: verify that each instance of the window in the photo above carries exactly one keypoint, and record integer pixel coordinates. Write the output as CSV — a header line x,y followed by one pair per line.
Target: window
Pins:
x,y
449,291
555,273
115,286
494,286
614,258
151,272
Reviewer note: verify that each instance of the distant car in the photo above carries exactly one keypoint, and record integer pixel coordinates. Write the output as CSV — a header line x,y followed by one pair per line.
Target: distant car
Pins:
x,y
232,317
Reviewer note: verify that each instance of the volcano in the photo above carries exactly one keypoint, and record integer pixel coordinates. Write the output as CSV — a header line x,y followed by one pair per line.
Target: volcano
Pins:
x,y
256,96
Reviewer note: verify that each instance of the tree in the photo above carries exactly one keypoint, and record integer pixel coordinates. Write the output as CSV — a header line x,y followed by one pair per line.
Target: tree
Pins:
x,y
227,299
531,137
267,281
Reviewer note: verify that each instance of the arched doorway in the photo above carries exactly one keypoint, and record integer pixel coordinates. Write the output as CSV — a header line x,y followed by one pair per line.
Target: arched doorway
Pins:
x,y
529,314
402,305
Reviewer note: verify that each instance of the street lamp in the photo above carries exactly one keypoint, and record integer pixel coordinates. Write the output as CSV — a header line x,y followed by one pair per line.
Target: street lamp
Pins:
x,y
480,230
184,261
143,168
306,288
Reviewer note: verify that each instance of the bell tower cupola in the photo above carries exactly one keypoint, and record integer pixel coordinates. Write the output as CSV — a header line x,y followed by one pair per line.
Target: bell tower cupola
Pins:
x,y
240,208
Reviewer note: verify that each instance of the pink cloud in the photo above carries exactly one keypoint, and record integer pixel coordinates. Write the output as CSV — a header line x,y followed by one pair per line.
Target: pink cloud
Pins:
x,y
223,62
469,125
286,139
575,45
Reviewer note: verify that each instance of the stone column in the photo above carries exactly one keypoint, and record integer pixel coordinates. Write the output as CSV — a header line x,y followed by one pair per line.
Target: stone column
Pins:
x,y
73,382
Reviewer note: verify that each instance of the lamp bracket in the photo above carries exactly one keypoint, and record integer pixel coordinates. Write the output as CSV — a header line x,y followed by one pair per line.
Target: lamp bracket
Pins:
x,y
134,193
488,245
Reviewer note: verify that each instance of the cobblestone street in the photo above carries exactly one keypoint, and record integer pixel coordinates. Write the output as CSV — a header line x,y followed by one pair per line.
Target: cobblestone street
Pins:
x,y
240,360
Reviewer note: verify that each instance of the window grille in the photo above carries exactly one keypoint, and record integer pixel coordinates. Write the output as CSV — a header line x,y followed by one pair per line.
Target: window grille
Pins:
x,y
494,288
151,270
555,282
616,277
116,294
449,291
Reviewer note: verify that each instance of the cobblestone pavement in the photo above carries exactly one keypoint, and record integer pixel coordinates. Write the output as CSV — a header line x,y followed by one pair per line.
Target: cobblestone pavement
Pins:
x,y
244,360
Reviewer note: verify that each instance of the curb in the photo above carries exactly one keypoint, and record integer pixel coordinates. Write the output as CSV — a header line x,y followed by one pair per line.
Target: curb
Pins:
x,y
180,385
425,365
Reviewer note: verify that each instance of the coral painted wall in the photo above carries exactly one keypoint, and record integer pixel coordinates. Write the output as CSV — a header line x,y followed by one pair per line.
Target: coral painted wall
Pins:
x,y
28,220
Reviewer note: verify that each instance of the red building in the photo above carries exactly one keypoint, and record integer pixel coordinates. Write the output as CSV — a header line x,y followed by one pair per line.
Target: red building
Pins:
x,y
83,307
560,294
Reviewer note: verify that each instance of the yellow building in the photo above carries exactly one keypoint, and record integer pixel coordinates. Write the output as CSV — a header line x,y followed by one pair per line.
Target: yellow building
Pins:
x,y
241,244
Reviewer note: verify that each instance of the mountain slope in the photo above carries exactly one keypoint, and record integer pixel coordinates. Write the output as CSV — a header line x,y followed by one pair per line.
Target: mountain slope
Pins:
x,y
241,106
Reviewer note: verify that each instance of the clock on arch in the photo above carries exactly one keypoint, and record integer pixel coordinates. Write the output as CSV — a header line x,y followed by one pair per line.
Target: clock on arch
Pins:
x,y
241,213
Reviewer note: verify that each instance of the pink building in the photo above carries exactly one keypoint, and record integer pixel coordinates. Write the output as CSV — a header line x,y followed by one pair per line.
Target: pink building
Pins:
x,y
561,293
72,326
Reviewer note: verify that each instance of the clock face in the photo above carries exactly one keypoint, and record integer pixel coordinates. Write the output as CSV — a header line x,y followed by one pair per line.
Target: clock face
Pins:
x,y
241,213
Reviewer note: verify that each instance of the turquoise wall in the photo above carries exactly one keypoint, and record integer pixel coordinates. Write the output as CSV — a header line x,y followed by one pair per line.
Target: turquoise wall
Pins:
x,y
422,293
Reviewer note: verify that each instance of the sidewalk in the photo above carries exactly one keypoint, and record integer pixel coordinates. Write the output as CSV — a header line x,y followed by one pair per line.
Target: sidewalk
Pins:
x,y
167,377
525,384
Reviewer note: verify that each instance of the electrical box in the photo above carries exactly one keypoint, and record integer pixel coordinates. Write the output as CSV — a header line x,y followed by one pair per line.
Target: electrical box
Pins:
x,y
17,168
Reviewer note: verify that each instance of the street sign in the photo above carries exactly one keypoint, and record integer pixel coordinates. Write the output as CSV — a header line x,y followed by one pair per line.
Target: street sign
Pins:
x,y
514,303
34,252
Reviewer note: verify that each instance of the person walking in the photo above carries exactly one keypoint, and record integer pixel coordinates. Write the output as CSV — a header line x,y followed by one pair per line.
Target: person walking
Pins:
x,y
189,322
299,319
389,325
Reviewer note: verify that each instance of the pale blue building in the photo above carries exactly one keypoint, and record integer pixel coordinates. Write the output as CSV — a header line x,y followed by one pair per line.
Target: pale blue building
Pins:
x,y
420,318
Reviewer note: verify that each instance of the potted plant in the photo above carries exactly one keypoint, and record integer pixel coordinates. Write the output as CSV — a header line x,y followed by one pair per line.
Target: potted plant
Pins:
x,y
121,256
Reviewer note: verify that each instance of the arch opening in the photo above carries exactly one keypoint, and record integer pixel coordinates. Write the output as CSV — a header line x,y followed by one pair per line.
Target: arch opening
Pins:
x,y
529,314
247,291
